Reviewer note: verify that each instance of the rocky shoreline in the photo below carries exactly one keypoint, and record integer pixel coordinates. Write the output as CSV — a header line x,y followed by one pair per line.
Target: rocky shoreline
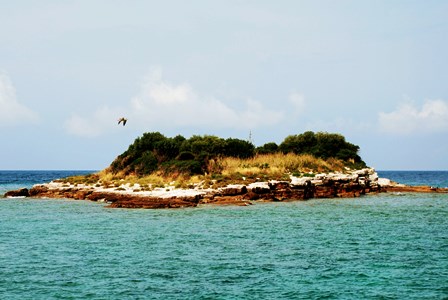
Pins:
x,y
331,185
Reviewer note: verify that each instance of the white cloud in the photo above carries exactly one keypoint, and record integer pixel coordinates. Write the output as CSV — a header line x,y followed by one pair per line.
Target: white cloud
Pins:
x,y
155,91
165,104
94,125
11,111
298,102
82,126
432,117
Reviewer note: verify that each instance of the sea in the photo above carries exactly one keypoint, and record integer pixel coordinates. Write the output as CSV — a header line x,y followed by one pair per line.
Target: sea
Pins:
x,y
383,246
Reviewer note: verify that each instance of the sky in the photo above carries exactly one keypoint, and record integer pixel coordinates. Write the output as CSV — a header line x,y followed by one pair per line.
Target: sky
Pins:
x,y
374,71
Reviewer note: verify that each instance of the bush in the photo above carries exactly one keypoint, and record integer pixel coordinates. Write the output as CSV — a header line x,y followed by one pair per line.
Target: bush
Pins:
x,y
238,148
199,154
267,148
322,145
186,155
146,164
300,144
166,149
187,167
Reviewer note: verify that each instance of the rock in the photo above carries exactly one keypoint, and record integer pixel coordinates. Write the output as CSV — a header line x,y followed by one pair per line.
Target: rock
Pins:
x,y
288,194
251,196
24,192
259,187
415,189
152,203
38,190
279,185
329,185
233,190
317,182
229,200
300,181
384,182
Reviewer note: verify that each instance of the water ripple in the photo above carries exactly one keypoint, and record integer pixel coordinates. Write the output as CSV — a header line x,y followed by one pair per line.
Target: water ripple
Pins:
x,y
379,247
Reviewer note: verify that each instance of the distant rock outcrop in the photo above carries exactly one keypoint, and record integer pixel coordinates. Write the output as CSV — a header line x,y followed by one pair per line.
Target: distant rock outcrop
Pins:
x,y
18,193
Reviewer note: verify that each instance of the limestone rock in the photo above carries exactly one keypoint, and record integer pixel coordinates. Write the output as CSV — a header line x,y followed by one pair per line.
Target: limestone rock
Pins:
x,y
330,185
233,190
259,187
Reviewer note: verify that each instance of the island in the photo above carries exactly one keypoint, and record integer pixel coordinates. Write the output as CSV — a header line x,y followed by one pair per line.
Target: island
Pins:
x,y
160,172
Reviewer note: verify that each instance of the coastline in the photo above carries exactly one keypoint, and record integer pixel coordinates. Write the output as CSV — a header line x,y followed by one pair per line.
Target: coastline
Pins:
x,y
329,185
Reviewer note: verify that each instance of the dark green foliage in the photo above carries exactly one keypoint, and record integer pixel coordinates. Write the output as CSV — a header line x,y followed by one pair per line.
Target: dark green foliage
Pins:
x,y
267,148
153,152
238,148
189,167
301,143
185,155
166,149
145,164
207,143
323,145
148,141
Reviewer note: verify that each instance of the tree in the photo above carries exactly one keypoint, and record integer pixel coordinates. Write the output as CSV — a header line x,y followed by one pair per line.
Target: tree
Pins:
x,y
166,149
153,151
322,145
267,148
238,148
300,144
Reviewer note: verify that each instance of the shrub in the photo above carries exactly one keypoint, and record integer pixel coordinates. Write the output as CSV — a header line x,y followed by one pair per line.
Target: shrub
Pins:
x,y
188,167
267,148
185,155
322,145
205,154
238,148
146,164
166,149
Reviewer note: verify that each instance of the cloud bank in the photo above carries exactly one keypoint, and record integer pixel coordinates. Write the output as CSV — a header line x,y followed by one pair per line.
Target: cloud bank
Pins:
x,y
11,111
432,117
94,125
164,105
169,105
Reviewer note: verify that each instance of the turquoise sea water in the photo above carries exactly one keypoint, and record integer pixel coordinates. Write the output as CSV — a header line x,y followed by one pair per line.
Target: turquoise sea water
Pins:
x,y
385,246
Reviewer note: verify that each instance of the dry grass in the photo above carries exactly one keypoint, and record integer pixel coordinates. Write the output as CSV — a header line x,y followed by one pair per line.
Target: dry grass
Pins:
x,y
227,170
275,164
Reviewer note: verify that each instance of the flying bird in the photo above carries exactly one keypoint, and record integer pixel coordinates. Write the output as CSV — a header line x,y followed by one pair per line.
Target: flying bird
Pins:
x,y
124,120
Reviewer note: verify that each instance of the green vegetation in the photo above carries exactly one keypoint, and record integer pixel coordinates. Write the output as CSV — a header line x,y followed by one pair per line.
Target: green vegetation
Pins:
x,y
155,153
154,160
323,145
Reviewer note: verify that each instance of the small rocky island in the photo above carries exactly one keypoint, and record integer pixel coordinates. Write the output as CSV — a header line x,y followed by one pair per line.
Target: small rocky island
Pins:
x,y
160,172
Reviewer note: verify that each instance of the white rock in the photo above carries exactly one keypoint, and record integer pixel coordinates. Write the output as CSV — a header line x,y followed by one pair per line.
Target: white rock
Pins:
x,y
235,186
384,182
258,184
373,177
317,182
320,176
299,180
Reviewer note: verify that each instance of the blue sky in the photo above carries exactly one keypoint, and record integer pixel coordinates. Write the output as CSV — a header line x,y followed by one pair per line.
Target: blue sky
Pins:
x,y
374,71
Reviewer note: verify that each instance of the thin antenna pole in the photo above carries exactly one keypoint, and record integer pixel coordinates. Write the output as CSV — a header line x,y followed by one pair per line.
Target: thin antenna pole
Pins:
x,y
250,137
